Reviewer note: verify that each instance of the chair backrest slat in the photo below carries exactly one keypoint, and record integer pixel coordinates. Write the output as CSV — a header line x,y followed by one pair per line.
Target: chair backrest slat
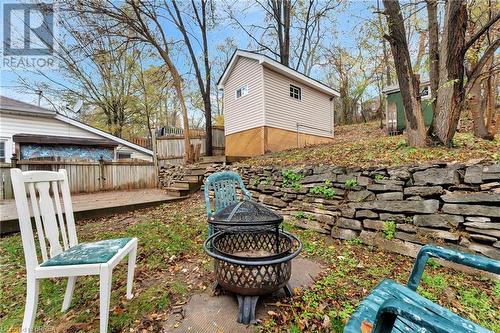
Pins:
x,y
224,185
38,222
54,222
68,210
62,226
49,218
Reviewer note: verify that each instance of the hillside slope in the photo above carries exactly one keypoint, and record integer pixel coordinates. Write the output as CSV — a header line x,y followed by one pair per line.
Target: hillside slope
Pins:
x,y
364,145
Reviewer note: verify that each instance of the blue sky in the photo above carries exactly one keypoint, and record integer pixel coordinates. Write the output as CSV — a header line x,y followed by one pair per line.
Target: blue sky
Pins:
x,y
347,24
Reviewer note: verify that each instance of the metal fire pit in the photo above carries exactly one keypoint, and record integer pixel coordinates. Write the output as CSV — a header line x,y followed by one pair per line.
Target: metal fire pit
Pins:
x,y
252,261
245,215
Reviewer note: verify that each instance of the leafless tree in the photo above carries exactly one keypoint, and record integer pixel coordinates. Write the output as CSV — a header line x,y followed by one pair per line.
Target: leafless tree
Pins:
x,y
199,13
408,82
142,22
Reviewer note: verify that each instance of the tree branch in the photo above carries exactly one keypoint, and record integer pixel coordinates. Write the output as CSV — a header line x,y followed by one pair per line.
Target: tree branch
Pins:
x,y
478,34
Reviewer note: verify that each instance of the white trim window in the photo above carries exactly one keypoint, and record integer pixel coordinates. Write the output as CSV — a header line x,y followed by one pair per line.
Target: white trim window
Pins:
x,y
425,93
295,92
2,151
242,91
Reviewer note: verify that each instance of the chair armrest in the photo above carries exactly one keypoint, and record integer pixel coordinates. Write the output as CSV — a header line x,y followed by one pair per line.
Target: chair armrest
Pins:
x,y
471,260
393,308
246,194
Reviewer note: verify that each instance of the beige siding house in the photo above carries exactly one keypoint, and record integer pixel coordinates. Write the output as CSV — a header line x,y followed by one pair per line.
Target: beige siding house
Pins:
x,y
270,107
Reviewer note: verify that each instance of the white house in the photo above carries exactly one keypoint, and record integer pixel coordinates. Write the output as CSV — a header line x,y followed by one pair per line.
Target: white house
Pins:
x,y
270,107
33,132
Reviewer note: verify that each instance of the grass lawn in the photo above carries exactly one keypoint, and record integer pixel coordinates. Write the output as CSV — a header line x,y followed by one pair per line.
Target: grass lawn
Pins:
x,y
364,145
171,266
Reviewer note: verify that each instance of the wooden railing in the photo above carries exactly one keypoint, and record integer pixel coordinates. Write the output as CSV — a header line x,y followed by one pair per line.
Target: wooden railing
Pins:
x,y
170,148
88,176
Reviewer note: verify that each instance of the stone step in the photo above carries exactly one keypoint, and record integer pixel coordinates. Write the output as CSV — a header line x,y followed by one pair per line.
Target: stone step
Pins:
x,y
213,159
193,178
177,192
206,164
185,184
198,171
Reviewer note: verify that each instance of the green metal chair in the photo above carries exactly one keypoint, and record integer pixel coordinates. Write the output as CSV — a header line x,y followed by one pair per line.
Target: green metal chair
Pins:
x,y
224,186
392,307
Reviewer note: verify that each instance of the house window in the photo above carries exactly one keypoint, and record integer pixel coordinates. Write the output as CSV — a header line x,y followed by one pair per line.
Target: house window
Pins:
x,y
424,93
295,92
242,91
2,151
124,155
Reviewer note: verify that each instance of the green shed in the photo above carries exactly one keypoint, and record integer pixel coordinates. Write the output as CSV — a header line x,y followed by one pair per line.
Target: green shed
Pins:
x,y
394,111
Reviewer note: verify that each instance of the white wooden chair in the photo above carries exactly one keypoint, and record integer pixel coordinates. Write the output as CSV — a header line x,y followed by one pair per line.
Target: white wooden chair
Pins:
x,y
63,256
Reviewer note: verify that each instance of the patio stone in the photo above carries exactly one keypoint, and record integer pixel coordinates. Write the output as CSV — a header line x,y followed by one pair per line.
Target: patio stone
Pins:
x,y
205,313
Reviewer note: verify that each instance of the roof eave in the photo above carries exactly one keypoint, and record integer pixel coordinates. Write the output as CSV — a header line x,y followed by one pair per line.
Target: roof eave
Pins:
x,y
300,78
103,134
22,111
284,70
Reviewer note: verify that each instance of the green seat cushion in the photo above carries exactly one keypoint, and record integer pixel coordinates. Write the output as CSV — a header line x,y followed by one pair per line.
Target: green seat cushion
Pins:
x,y
388,289
88,253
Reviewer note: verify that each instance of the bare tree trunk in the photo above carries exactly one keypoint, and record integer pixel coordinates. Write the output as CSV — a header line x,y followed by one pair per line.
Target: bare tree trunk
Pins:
x,y
384,49
474,106
409,85
450,96
281,10
433,30
204,83
177,83
285,51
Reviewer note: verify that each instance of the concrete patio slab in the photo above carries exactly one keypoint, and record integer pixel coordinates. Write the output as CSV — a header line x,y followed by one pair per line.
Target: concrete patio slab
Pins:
x,y
205,313
93,204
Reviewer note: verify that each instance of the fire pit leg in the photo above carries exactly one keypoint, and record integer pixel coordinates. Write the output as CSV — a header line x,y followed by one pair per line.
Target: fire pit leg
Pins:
x,y
246,311
216,288
288,290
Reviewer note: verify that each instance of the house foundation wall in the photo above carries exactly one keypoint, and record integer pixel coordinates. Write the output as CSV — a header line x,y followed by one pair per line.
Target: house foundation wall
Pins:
x,y
265,139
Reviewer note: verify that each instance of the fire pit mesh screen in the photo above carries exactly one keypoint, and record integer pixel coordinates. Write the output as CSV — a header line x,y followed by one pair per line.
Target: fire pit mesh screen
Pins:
x,y
252,280
266,274
259,245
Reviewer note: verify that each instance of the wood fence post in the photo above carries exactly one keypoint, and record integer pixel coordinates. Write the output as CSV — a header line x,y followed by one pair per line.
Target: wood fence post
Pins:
x,y
13,160
155,156
102,178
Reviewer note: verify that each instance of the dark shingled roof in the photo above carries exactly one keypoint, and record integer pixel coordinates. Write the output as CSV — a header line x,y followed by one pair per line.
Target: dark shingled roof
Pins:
x,y
10,104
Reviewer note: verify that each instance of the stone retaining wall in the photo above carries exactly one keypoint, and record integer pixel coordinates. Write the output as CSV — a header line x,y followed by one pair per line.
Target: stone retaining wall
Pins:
x,y
399,209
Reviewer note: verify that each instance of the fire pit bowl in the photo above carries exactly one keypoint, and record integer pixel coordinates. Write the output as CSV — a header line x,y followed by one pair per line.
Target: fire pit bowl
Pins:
x,y
252,262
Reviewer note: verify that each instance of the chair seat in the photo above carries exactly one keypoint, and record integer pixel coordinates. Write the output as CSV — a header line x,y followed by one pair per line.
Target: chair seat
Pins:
x,y
88,253
388,289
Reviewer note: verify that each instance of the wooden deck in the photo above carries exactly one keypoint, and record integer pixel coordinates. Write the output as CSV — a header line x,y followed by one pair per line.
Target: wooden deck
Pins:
x,y
93,204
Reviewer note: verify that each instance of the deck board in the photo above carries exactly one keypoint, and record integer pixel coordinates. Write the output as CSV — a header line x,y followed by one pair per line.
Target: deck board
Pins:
x,y
94,204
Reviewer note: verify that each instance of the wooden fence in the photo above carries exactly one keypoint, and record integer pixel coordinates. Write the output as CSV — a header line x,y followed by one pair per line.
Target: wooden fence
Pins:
x,y
170,149
88,176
